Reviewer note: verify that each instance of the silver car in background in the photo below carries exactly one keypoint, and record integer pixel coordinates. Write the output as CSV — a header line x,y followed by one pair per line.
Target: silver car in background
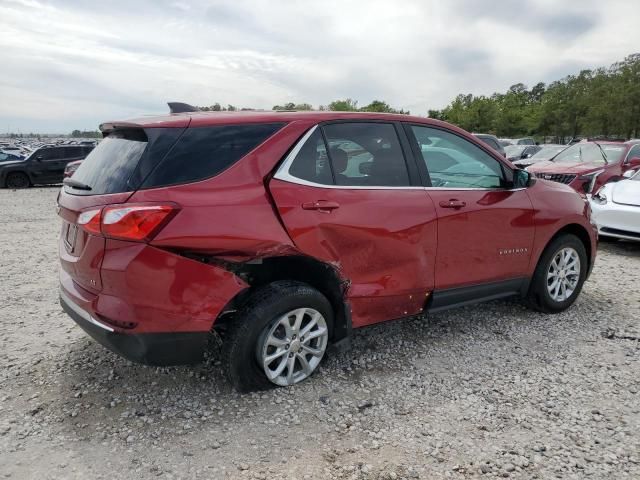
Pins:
x,y
616,208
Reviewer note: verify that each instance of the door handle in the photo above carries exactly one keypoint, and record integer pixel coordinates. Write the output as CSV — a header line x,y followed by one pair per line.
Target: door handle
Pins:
x,y
321,205
452,203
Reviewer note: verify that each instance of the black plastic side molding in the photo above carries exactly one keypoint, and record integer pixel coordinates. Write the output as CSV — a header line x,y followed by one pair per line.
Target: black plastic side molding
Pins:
x,y
460,296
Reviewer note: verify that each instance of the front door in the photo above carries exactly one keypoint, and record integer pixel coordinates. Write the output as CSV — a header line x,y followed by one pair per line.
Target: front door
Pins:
x,y
346,196
485,227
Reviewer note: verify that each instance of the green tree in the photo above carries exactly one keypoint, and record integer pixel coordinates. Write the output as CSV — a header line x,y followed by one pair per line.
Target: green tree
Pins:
x,y
382,107
347,105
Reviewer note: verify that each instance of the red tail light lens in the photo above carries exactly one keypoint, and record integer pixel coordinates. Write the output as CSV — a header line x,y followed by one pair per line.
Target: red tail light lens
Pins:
x,y
89,221
135,222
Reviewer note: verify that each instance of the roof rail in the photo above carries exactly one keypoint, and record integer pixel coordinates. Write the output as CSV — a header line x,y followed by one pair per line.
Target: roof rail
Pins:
x,y
179,107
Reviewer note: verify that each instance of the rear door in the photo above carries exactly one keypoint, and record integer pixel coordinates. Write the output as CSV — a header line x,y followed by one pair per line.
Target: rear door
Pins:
x,y
45,164
347,195
485,227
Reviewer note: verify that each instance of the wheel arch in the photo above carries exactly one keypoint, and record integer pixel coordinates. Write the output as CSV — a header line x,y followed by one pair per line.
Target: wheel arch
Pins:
x,y
322,276
17,170
579,231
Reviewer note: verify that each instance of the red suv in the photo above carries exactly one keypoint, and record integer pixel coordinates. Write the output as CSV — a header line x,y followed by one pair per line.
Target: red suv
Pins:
x,y
586,166
282,231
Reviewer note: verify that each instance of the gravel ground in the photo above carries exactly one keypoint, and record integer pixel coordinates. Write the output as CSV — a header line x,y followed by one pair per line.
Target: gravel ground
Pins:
x,y
487,391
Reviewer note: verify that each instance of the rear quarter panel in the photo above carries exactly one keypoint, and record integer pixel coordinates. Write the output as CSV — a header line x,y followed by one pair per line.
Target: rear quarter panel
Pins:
x,y
230,214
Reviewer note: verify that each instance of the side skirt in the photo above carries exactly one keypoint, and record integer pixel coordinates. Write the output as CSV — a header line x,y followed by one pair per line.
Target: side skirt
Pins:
x,y
461,296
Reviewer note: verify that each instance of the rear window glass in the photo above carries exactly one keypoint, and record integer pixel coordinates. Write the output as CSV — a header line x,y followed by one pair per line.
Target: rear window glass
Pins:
x,y
202,152
108,167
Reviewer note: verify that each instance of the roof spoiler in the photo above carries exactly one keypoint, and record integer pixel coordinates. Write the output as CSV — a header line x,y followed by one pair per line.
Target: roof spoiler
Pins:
x,y
179,107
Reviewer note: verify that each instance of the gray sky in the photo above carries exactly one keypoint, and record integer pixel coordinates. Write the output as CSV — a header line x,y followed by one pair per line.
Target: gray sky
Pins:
x,y
73,64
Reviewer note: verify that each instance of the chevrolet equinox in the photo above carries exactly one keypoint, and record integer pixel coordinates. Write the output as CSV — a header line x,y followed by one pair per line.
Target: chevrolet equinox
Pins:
x,y
283,231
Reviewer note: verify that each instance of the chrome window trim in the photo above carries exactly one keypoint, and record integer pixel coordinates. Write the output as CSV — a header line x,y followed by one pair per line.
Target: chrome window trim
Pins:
x,y
283,174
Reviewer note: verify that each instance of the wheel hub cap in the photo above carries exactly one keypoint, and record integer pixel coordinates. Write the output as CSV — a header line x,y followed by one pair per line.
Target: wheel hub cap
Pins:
x,y
292,346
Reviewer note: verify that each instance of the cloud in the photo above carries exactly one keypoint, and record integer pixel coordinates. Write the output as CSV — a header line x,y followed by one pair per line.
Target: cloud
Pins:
x,y
74,64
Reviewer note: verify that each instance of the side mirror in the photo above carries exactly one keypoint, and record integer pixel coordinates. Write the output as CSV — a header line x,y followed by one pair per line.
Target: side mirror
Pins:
x,y
629,173
523,179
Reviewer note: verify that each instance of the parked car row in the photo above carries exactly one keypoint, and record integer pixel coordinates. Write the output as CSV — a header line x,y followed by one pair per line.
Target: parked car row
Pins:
x,y
45,165
586,166
543,153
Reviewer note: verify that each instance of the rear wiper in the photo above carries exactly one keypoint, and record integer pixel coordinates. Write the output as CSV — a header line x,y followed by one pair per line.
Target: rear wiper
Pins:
x,y
73,183
606,160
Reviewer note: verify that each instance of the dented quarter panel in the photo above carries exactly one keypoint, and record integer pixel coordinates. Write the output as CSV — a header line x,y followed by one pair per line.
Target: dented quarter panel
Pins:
x,y
230,215
160,290
382,240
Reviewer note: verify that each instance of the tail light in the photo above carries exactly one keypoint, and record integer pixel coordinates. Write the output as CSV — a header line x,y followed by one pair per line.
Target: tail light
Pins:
x,y
89,221
133,222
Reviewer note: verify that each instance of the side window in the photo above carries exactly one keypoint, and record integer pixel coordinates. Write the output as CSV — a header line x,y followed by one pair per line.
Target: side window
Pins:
x,y
311,162
71,152
47,154
366,154
453,162
203,152
634,152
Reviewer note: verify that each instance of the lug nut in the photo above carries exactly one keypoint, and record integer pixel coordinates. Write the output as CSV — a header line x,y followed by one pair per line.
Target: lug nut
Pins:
x,y
294,336
302,339
290,354
286,347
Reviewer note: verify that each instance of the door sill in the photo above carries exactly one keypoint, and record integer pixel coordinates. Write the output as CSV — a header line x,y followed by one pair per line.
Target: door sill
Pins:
x,y
460,296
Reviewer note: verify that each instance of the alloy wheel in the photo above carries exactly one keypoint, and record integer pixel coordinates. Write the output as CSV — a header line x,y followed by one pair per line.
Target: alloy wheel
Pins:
x,y
17,180
563,275
292,347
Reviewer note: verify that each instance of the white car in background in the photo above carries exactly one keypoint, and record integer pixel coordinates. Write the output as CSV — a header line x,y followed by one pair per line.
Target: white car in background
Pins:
x,y
616,208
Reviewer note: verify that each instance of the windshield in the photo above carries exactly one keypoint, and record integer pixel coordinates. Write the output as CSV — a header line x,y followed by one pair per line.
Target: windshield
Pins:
x,y
514,150
548,152
5,157
591,153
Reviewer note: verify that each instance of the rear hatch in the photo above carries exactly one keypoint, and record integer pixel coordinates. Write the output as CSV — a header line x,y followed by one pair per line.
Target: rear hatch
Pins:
x,y
135,157
110,174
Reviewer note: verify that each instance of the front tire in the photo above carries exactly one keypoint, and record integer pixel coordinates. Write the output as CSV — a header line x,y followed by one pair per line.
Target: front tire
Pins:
x,y
559,276
278,338
17,180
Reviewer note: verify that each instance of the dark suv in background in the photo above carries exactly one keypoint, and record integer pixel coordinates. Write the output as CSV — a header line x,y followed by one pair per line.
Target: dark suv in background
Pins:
x,y
44,166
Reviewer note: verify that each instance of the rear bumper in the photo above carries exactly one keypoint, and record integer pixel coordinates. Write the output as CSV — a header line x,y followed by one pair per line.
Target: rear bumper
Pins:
x,y
153,307
175,348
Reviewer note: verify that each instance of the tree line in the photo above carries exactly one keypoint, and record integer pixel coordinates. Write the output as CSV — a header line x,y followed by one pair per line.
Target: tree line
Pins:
x,y
346,105
601,102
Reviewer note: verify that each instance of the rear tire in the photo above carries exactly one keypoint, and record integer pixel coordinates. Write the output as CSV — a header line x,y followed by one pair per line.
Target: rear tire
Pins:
x,y
559,276
17,180
257,333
